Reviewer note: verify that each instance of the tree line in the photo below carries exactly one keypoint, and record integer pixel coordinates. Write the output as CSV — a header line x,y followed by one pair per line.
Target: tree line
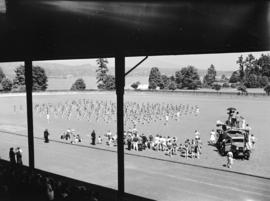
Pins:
x,y
251,73
40,80
105,81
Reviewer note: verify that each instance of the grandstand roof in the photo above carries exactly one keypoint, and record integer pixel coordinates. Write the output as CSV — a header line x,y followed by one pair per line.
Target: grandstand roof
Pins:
x,y
53,29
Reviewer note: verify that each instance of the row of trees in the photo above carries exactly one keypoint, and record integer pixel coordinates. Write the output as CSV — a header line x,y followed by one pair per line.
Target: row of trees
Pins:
x,y
252,72
40,79
105,81
186,78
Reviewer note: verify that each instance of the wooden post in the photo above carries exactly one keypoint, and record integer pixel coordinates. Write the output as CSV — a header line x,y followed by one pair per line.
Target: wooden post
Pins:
x,y
29,84
120,85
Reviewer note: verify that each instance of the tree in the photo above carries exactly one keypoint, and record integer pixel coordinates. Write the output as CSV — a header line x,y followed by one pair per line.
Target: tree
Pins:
x,y
267,89
40,78
6,84
165,82
251,81
109,82
19,79
210,77
135,85
188,77
154,80
242,88
235,77
240,61
78,85
251,66
101,72
172,85
264,80
224,78
226,85
216,87
2,75
264,63
179,79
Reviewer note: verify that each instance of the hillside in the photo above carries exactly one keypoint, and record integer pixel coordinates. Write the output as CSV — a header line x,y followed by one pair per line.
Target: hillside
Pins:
x,y
63,71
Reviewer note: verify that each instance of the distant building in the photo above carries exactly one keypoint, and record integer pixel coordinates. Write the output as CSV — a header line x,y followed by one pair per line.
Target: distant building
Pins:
x,y
143,87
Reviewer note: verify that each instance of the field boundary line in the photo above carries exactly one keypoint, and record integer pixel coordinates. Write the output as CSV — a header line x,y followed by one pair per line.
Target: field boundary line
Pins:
x,y
143,156
187,92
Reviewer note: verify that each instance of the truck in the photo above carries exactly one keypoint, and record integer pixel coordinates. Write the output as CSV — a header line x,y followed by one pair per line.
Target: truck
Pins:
x,y
236,141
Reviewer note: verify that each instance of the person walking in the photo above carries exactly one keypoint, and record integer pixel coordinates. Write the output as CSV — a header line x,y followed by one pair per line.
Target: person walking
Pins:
x,y
212,140
229,159
93,136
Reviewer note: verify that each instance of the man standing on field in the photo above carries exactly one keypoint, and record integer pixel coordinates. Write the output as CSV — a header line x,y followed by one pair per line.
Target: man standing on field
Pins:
x,y
93,137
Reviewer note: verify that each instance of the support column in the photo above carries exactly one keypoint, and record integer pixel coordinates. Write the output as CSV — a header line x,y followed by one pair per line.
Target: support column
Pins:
x,y
120,85
29,83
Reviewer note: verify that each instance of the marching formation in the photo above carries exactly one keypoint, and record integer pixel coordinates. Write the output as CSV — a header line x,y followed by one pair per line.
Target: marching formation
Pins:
x,y
105,111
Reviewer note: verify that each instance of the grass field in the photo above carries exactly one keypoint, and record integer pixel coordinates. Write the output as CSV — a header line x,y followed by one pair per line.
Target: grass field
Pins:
x,y
256,110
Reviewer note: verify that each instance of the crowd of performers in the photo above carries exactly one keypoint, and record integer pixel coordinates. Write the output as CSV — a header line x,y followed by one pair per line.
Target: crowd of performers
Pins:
x,y
105,111
143,113
167,144
190,148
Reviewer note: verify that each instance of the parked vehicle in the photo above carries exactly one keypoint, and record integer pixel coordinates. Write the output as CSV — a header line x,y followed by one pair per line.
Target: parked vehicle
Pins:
x,y
234,140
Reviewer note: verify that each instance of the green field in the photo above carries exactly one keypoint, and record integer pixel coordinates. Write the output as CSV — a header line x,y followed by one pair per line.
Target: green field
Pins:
x,y
256,111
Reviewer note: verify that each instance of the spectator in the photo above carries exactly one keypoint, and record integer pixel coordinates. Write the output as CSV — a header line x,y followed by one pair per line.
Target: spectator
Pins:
x,y
49,189
93,136
46,136
19,156
12,156
129,141
229,159
99,141
212,137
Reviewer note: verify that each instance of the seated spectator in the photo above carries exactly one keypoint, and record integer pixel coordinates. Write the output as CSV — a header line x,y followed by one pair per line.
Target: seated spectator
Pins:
x,y
49,189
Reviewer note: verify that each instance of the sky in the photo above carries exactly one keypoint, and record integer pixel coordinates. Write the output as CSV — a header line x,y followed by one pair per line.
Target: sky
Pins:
x,y
222,62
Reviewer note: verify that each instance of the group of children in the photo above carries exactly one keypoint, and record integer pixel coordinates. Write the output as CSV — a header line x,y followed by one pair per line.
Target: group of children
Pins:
x,y
168,145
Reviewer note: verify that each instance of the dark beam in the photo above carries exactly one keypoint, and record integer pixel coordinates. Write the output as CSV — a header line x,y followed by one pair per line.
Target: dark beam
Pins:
x,y
120,85
136,65
28,83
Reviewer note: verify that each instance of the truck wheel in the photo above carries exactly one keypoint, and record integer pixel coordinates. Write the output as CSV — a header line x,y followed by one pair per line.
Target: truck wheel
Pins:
x,y
222,151
235,155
